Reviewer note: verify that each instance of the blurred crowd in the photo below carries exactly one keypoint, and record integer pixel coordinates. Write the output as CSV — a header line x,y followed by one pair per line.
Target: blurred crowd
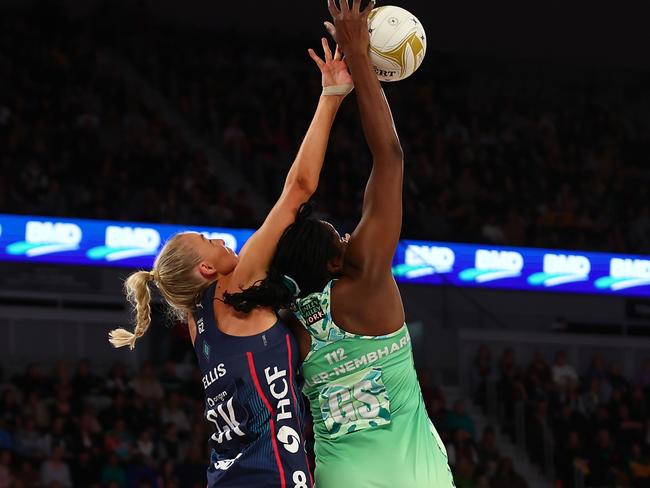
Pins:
x,y
64,428
597,421
474,457
77,140
499,151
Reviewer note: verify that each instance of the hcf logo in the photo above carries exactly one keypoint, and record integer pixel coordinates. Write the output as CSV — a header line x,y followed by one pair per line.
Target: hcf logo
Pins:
x,y
491,265
625,273
560,269
126,242
47,238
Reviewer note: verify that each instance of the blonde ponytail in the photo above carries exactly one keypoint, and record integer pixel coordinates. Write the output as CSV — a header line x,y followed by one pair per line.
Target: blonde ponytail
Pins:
x,y
175,276
138,294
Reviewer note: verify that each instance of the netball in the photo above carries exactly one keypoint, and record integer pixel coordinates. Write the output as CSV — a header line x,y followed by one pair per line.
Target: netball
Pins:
x,y
398,43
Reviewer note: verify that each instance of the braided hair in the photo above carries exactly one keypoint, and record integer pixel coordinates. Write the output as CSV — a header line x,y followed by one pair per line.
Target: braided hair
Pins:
x,y
303,252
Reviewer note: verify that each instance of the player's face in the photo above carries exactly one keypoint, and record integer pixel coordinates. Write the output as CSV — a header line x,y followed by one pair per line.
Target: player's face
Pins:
x,y
216,258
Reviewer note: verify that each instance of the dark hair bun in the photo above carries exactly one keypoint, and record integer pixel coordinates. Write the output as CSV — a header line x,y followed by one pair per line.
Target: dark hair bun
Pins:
x,y
305,211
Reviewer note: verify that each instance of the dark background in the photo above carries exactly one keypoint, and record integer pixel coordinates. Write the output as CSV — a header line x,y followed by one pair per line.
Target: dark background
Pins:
x,y
68,399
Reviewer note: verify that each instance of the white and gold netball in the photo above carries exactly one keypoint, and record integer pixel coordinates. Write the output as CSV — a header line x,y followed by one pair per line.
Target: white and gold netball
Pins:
x,y
398,42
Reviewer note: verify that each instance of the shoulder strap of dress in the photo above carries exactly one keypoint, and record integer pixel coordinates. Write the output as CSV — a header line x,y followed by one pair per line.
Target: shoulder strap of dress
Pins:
x,y
206,327
315,314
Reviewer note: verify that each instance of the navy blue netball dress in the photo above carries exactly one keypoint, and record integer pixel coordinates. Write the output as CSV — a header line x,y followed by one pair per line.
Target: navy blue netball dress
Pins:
x,y
253,402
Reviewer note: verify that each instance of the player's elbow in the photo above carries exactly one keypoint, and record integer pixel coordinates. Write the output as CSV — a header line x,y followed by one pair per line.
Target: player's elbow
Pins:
x,y
391,155
397,152
304,186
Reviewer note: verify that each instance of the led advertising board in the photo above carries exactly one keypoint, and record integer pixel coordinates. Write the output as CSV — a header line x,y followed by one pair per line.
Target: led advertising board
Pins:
x,y
134,245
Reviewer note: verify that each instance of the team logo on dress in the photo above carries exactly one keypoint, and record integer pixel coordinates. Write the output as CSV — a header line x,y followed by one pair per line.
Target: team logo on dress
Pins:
x,y
491,265
289,439
206,350
311,310
225,464
560,269
625,273
47,238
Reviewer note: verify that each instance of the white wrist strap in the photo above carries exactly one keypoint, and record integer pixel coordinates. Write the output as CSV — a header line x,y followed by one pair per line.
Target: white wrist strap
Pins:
x,y
338,89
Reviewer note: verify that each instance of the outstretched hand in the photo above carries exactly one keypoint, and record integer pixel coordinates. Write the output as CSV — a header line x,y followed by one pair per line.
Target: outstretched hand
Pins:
x,y
333,68
350,28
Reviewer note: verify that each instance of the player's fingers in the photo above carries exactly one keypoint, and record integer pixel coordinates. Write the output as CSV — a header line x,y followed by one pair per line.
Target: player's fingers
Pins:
x,y
329,27
326,49
356,5
331,6
337,54
345,6
319,62
368,9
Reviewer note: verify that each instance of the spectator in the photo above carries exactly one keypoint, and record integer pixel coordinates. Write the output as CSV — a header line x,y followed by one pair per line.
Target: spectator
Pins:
x,y
172,414
640,466
563,373
487,450
140,472
147,385
597,369
643,375
604,461
593,397
169,378
117,381
507,477
629,431
58,435
617,379
538,432
190,471
426,385
461,446
168,477
9,406
464,473
30,442
6,439
569,456
86,470
540,369
84,384
28,475
483,481
56,470
438,415
145,445
509,388
481,374
113,473
458,419
88,438
120,440
37,409
171,446
5,469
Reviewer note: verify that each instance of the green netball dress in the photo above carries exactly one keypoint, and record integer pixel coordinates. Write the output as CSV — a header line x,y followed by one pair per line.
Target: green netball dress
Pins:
x,y
370,422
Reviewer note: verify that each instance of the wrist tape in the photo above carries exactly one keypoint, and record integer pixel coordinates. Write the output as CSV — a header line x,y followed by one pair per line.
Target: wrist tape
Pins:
x,y
338,89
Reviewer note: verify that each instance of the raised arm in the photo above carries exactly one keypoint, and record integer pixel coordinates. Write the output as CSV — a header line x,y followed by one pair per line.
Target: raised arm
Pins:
x,y
302,179
372,245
